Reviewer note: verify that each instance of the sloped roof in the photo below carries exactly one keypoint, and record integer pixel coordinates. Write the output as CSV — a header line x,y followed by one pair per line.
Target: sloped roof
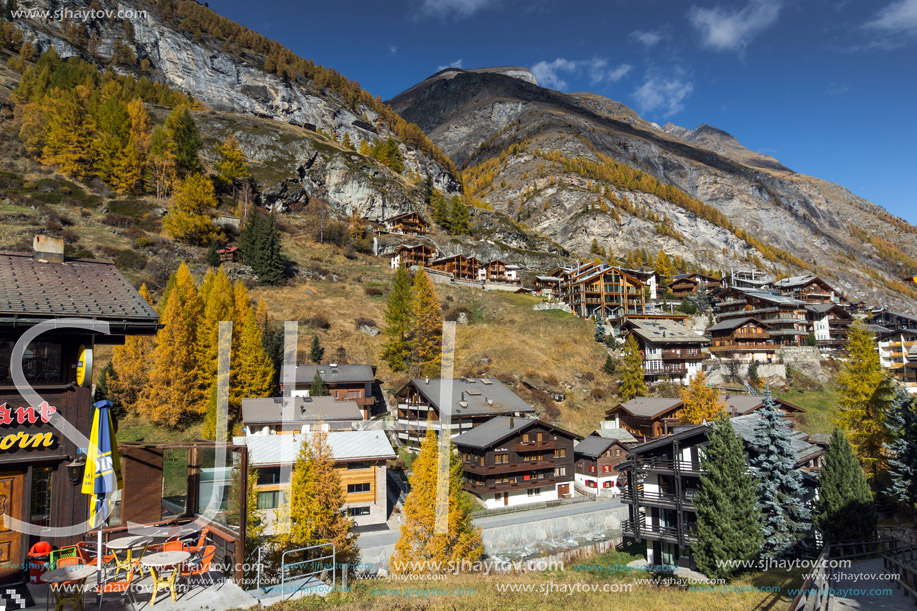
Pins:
x,y
733,323
744,426
593,446
648,407
81,288
743,404
305,409
778,299
345,374
345,446
499,428
622,435
482,396
794,281
662,330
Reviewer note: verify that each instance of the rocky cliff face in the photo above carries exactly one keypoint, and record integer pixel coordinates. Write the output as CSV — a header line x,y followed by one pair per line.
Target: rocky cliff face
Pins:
x,y
226,82
476,117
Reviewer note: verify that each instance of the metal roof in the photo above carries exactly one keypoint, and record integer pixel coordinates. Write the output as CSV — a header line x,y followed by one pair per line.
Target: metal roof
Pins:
x,y
662,330
732,323
305,409
497,429
82,288
622,435
779,299
593,446
345,446
744,426
481,396
743,404
334,373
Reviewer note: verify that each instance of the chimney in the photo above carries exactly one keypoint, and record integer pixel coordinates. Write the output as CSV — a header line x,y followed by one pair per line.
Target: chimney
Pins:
x,y
48,249
510,422
427,379
463,395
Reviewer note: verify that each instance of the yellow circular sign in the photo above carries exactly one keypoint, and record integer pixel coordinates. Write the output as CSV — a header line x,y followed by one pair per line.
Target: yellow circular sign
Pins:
x,y
84,367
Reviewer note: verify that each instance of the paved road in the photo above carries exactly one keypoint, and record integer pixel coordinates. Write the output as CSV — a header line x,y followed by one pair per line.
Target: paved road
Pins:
x,y
866,594
379,539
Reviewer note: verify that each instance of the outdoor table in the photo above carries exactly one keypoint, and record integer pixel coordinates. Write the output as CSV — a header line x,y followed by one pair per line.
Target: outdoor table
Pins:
x,y
127,545
158,562
72,594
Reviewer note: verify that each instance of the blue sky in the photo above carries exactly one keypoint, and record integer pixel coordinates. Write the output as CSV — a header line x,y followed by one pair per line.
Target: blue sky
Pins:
x,y
827,87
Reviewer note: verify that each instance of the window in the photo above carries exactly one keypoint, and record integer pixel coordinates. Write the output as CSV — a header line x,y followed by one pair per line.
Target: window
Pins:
x,y
41,496
268,475
358,511
540,436
560,453
525,438
533,491
560,471
41,362
590,483
361,464
591,468
501,459
608,484
356,488
618,452
268,500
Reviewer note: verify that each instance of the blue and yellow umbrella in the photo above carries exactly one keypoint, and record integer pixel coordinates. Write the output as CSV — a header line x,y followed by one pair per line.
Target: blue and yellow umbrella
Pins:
x,y
103,468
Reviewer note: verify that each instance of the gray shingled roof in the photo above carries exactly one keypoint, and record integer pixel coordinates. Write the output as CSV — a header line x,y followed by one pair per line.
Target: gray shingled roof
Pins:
x,y
779,299
492,431
730,324
593,446
622,435
82,288
305,409
794,281
665,331
345,445
482,396
345,374
649,407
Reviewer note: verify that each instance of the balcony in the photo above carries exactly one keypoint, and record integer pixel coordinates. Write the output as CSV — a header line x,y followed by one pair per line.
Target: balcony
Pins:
x,y
642,529
682,355
479,487
658,463
533,465
679,370
533,446
743,346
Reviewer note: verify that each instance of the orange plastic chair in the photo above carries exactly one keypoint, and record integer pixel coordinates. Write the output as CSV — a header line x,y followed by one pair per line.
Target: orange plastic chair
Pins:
x,y
201,542
86,554
201,566
122,587
173,546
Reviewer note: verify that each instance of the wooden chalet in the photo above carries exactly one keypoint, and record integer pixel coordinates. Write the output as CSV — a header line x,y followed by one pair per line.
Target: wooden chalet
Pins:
x,y
742,405
473,401
828,322
597,289
228,254
810,289
597,458
547,286
355,383
660,480
784,316
410,256
683,285
745,339
408,223
670,350
512,272
893,321
510,461
647,417
460,266
495,271
81,304
298,414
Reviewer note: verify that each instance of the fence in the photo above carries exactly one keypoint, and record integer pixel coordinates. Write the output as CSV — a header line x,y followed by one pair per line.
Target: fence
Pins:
x,y
903,561
483,512
320,571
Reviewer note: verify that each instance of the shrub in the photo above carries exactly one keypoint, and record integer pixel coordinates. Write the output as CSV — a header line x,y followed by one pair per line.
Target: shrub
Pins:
x,y
373,291
117,220
318,321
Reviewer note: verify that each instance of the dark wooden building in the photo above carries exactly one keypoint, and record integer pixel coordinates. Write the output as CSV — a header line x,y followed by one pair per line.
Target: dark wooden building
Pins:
x,y
647,417
746,339
460,266
513,461
409,256
44,287
597,459
410,223
344,382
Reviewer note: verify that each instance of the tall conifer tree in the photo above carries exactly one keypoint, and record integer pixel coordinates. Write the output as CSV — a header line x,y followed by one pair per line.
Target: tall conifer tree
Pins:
x,y
701,402
844,510
427,338
399,322
728,518
902,449
131,364
632,383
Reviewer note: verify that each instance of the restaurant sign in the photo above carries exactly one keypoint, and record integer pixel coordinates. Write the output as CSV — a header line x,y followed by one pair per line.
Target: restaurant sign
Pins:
x,y
26,415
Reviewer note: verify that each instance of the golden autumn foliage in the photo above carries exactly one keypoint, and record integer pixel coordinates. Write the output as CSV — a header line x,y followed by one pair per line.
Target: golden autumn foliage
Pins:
x,y
216,294
190,217
131,363
427,336
701,402
419,547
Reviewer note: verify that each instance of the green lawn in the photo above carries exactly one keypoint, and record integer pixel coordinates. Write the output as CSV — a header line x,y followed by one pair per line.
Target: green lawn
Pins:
x,y
820,406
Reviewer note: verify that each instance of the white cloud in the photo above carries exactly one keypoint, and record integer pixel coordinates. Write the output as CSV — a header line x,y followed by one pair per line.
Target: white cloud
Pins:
x,y
647,38
732,30
393,49
897,18
457,8
456,64
549,74
666,95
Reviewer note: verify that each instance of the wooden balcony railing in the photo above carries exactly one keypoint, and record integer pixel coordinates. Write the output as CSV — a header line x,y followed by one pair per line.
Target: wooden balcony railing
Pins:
x,y
517,467
533,446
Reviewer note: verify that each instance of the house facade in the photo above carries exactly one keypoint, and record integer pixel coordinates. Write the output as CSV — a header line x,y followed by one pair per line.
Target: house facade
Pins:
x,y
785,317
509,461
473,401
460,266
893,321
810,289
359,459
597,458
745,339
597,289
344,383
299,414
408,223
101,308
896,354
410,256
512,272
828,322
646,417
670,350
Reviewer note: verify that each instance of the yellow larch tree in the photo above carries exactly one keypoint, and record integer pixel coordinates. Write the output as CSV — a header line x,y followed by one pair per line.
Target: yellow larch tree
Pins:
x,y
218,306
131,363
190,216
427,337
701,402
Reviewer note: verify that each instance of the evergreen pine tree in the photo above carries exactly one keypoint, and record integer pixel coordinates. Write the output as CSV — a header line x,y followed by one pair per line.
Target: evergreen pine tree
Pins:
x,y
186,141
459,217
399,322
786,519
174,368
318,388
599,328
701,402
213,256
131,365
251,238
419,543
272,267
316,353
632,383
427,337
844,510
728,518
754,380
439,209
610,365
866,395
902,449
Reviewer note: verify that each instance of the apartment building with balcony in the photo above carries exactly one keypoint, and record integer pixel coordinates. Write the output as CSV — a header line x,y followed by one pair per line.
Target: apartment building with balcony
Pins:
x,y
828,322
784,316
893,321
670,350
470,402
745,339
597,458
808,288
660,480
897,355
344,383
509,461
597,289
409,256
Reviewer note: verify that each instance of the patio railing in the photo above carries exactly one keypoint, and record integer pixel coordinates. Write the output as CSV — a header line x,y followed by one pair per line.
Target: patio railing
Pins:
x,y
313,562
